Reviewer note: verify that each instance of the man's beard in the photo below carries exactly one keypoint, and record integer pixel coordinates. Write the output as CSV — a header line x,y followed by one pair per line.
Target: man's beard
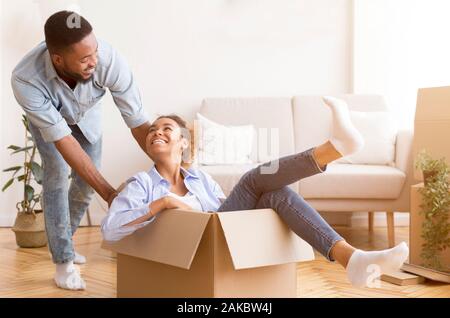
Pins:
x,y
75,76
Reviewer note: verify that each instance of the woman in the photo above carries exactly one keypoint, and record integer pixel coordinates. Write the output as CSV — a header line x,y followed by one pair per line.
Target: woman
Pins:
x,y
169,186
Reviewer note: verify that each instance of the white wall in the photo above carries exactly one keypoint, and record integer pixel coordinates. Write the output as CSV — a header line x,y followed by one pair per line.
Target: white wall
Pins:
x,y
400,46
183,51
1,111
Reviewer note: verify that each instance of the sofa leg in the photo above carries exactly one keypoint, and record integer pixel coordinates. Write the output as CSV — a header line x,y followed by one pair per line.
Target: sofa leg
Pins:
x,y
371,215
390,228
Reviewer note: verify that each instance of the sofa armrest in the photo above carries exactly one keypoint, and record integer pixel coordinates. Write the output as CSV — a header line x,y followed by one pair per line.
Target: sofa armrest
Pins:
x,y
403,150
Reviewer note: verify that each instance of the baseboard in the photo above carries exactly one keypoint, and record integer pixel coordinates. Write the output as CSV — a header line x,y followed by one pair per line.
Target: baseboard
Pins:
x,y
97,211
337,219
361,219
7,220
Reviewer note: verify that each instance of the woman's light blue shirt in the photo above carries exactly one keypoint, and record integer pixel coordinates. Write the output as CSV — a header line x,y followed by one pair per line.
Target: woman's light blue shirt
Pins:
x,y
145,187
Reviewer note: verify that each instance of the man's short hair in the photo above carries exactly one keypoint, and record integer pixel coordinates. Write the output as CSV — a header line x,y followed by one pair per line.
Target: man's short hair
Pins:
x,y
64,28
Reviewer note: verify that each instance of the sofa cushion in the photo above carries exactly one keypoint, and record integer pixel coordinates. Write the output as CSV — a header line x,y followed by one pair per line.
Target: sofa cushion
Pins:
x,y
221,144
351,181
271,117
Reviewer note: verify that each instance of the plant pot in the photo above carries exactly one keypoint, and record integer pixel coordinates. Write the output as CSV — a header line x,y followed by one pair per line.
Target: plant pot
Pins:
x,y
428,176
30,229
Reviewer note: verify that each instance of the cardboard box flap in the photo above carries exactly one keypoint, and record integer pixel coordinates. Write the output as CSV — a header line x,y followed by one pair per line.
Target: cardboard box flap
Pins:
x,y
172,239
433,104
258,238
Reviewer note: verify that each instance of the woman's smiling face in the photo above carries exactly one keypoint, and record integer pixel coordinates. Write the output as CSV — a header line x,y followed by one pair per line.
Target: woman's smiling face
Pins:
x,y
165,139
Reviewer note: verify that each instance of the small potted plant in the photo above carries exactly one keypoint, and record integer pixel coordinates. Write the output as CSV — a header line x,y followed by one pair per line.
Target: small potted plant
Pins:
x,y
435,208
29,226
430,167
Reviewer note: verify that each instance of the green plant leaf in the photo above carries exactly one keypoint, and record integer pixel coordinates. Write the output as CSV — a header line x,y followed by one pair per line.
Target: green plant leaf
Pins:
x,y
14,174
16,168
29,192
7,184
21,178
37,172
435,208
13,147
25,122
22,149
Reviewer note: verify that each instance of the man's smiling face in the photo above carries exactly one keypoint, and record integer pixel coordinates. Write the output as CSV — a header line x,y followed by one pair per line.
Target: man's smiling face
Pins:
x,y
78,62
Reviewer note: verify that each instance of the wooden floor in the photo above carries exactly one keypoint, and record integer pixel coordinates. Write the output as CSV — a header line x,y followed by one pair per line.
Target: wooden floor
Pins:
x,y
29,272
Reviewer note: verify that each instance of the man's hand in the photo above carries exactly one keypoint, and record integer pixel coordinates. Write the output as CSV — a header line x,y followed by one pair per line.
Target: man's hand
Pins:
x,y
79,161
114,194
111,198
140,134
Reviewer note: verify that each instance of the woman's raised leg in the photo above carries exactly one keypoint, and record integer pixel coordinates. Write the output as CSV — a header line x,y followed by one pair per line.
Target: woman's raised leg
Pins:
x,y
252,184
345,140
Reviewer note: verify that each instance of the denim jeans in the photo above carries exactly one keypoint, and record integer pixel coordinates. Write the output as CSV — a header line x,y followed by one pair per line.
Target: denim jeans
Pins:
x,y
63,206
256,190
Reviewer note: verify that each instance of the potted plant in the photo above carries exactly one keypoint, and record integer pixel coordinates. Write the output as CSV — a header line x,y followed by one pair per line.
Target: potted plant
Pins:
x,y
430,167
435,208
29,226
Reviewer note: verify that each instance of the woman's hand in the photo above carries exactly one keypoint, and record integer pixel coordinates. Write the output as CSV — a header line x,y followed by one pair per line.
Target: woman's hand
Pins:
x,y
165,203
172,203
159,205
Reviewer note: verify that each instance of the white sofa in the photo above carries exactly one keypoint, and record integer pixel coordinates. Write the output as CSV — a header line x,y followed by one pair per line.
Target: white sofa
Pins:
x,y
304,122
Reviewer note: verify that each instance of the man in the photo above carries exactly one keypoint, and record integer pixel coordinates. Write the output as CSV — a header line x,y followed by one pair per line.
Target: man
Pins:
x,y
59,84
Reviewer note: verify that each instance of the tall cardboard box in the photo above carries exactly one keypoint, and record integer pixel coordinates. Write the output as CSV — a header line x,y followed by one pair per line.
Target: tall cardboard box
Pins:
x,y
415,230
196,254
431,133
432,124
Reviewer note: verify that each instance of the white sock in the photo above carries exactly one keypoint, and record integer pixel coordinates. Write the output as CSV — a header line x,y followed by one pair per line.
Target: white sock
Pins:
x,y
67,276
359,270
79,259
344,136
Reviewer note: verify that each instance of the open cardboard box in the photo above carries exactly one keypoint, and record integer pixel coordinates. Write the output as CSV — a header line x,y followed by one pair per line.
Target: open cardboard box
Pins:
x,y
196,254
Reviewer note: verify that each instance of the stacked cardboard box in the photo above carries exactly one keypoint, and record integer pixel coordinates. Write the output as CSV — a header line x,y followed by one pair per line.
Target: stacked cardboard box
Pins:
x,y
431,133
432,124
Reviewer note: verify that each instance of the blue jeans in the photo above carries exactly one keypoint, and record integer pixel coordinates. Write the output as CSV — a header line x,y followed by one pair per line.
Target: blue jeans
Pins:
x,y
63,206
256,190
